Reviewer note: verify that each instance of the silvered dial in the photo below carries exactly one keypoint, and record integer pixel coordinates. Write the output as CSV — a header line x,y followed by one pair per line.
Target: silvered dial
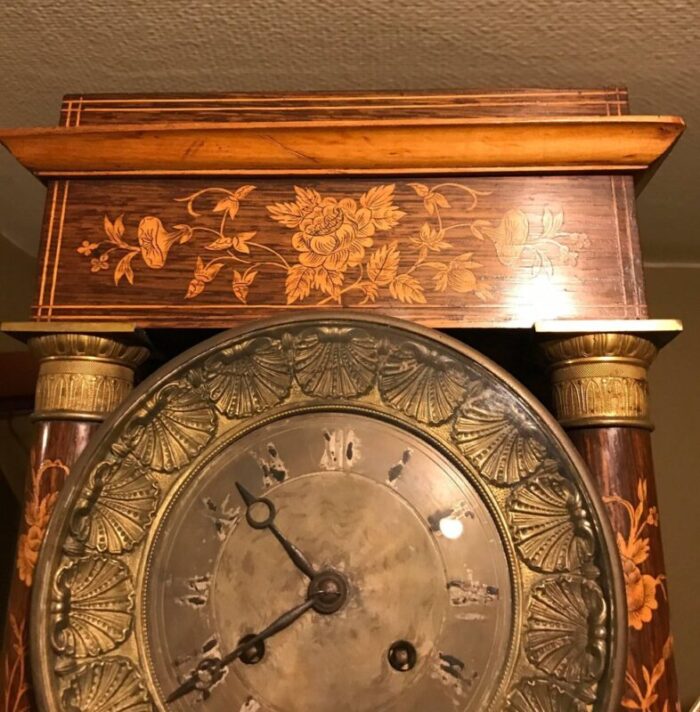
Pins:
x,y
384,558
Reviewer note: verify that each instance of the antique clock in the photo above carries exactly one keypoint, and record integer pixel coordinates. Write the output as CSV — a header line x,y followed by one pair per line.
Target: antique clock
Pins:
x,y
328,513
330,504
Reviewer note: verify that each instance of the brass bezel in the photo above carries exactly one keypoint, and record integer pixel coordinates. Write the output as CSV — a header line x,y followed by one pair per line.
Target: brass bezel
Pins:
x,y
384,329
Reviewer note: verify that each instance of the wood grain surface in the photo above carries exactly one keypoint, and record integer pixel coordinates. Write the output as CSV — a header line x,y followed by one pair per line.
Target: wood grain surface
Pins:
x,y
621,461
492,251
57,445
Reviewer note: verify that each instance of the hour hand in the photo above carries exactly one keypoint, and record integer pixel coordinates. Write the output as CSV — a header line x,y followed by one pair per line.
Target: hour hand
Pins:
x,y
260,514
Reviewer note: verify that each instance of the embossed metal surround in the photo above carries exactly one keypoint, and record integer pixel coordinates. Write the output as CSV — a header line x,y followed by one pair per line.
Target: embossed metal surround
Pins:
x,y
568,615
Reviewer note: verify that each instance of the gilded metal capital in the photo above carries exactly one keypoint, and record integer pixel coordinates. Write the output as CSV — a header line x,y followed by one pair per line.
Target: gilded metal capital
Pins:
x,y
85,371
601,378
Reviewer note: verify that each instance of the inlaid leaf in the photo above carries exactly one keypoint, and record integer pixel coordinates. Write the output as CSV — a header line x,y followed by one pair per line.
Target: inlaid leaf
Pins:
x,y
298,283
328,281
124,269
205,273
383,264
115,230
380,202
221,243
407,289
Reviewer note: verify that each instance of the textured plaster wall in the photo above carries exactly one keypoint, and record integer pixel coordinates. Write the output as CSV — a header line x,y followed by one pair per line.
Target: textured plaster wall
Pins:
x,y
52,47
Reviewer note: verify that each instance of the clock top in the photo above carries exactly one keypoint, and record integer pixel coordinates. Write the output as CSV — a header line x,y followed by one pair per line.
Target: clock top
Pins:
x,y
464,209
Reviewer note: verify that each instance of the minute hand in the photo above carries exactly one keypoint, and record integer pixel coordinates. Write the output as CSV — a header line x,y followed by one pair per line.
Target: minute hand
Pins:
x,y
211,669
294,553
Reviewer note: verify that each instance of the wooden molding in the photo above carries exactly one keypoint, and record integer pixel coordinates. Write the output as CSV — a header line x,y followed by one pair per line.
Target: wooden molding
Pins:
x,y
370,146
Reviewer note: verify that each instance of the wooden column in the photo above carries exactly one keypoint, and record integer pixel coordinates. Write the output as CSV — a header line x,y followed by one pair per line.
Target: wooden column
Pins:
x,y
82,378
600,396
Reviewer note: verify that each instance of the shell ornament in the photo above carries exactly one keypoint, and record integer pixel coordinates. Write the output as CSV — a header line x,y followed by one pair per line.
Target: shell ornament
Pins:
x,y
334,362
170,430
115,509
111,685
499,441
565,634
92,607
551,529
247,378
423,384
542,696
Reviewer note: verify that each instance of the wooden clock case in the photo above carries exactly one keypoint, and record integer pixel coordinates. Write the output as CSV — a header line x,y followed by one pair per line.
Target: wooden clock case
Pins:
x,y
506,218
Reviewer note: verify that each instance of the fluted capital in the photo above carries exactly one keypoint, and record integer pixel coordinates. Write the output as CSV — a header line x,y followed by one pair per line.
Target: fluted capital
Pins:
x,y
83,375
600,378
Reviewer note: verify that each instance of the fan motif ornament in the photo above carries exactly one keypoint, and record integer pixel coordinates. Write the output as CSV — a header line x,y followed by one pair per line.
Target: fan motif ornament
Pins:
x,y
115,510
550,526
247,378
567,635
566,631
92,607
501,442
335,363
542,696
111,685
171,429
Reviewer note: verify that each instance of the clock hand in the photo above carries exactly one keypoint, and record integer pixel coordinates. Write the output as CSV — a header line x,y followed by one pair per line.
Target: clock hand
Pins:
x,y
210,670
294,553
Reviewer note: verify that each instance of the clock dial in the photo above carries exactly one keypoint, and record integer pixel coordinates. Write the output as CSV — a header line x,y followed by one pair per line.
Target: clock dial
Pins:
x,y
411,551
328,513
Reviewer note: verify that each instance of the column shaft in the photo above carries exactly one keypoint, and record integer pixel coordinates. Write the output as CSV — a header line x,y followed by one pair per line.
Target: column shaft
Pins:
x,y
600,396
81,379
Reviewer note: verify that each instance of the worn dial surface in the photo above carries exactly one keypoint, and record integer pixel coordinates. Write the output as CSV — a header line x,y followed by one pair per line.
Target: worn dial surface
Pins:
x,y
328,512
419,549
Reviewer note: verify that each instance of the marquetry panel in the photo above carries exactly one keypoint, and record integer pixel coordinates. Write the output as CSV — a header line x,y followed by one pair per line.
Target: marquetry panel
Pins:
x,y
443,252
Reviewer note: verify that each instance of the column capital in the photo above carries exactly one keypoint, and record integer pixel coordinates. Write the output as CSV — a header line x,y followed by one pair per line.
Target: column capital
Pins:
x,y
85,370
599,369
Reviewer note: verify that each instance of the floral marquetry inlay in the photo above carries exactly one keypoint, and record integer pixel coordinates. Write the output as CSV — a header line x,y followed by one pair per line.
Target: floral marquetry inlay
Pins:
x,y
96,566
345,249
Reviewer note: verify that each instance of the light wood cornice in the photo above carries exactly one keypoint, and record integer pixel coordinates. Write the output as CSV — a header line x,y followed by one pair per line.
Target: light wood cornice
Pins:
x,y
628,144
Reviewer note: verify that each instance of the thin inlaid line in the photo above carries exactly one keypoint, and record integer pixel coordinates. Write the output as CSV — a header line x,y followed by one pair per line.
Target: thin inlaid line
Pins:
x,y
47,249
251,99
59,240
616,216
154,109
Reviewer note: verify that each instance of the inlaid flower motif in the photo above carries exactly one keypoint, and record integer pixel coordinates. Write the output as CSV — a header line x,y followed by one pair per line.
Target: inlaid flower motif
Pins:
x,y
640,588
97,264
458,275
155,241
170,429
247,378
335,362
86,247
515,241
92,606
422,383
46,480
109,685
